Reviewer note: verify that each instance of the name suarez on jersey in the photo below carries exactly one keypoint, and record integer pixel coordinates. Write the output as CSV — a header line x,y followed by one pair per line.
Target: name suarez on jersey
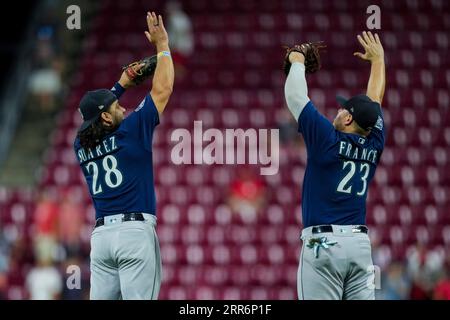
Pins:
x,y
351,151
106,146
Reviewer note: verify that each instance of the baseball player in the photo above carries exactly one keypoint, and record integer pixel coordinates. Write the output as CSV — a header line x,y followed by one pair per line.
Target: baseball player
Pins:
x,y
115,155
335,261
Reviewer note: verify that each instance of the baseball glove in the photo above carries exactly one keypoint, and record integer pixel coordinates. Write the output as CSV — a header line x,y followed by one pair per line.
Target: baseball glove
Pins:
x,y
311,52
138,75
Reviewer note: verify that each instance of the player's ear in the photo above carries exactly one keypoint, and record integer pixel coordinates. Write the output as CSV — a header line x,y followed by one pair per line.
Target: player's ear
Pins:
x,y
348,119
106,118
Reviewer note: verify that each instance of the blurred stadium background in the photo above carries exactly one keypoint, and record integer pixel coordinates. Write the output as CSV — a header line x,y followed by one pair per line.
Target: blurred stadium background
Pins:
x,y
225,231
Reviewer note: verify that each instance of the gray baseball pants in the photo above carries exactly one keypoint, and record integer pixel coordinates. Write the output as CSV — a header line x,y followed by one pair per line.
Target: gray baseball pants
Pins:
x,y
340,268
125,260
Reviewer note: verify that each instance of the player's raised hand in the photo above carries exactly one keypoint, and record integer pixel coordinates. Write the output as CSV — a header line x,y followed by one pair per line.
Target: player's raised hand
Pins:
x,y
156,33
372,45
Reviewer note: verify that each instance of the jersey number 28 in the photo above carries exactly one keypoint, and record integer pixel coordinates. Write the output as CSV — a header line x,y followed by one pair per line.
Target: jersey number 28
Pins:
x,y
109,165
344,186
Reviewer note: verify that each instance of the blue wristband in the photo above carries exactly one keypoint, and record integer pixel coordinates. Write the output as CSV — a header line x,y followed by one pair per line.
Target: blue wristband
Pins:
x,y
118,90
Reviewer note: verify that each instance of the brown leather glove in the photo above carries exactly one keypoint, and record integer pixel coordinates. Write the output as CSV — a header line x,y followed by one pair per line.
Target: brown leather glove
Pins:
x,y
139,75
311,52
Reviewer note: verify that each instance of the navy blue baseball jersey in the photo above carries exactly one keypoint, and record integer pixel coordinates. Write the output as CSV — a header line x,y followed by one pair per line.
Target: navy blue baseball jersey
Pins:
x,y
339,169
119,170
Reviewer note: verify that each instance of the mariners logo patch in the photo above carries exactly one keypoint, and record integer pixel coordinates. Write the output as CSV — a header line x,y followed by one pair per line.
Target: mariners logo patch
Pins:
x,y
379,123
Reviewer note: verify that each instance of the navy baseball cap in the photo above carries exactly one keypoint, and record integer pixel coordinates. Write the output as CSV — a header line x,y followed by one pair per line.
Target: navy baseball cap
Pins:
x,y
364,111
93,104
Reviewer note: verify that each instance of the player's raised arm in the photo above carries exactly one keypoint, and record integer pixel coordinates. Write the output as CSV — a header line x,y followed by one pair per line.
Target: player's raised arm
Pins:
x,y
295,88
299,60
375,54
164,74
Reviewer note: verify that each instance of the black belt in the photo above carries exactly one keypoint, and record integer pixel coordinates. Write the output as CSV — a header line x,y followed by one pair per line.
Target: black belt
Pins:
x,y
328,228
125,217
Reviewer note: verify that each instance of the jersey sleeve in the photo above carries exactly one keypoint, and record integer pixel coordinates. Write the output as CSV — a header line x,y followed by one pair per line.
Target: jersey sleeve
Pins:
x,y
315,128
118,90
378,132
142,122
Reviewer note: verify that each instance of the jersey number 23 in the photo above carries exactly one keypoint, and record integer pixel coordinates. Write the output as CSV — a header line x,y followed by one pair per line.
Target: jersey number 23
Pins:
x,y
344,185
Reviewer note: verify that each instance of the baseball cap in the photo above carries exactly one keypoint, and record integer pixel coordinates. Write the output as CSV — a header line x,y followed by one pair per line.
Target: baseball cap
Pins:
x,y
364,111
93,104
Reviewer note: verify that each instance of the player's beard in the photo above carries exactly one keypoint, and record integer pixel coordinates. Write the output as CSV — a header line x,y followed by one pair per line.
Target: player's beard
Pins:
x,y
117,120
115,125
